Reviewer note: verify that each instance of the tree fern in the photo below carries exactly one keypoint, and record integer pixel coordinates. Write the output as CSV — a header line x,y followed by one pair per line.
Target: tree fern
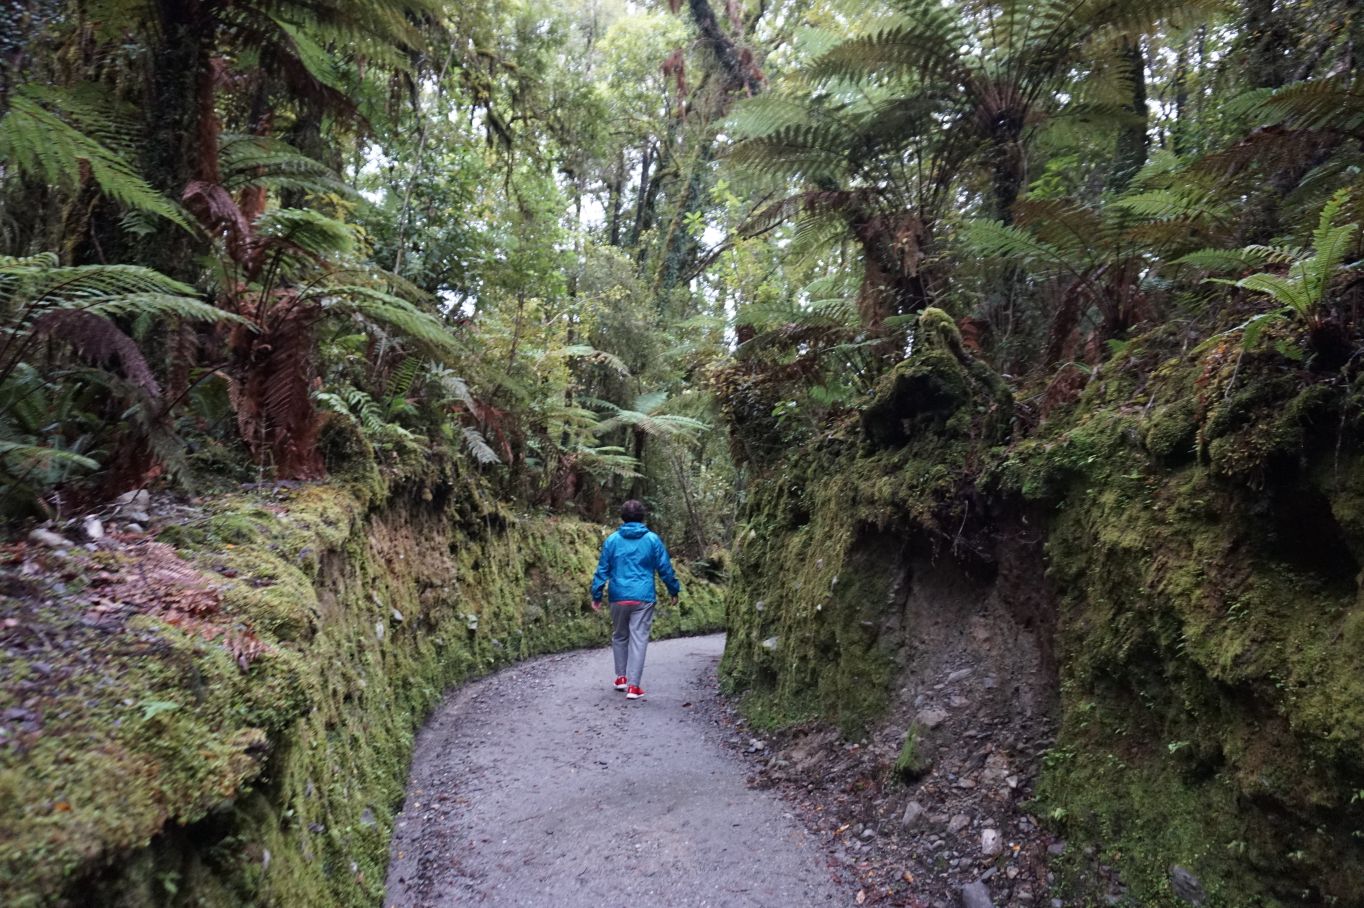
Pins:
x,y
393,311
592,354
36,284
645,418
1334,103
606,461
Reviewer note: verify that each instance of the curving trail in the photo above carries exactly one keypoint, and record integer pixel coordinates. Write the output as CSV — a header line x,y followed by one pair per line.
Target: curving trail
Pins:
x,y
542,786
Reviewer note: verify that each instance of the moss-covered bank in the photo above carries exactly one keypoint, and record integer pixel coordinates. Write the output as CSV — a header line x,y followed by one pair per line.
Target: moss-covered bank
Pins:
x,y
156,770
1193,535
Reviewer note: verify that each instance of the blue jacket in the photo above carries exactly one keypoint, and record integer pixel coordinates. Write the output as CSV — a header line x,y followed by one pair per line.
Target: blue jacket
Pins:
x,y
629,558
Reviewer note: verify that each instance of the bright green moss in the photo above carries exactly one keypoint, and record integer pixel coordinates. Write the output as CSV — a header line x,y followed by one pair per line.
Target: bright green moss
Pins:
x,y
188,781
911,764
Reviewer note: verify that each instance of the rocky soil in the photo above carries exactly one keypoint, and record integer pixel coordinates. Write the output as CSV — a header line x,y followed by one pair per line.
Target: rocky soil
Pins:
x,y
976,692
960,835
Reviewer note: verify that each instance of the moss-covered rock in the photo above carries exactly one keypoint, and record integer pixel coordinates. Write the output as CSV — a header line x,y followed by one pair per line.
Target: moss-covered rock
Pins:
x,y
166,773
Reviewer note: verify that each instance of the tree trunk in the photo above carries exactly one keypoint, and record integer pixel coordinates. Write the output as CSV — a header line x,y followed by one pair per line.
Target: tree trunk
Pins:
x,y
183,92
1178,141
1269,44
648,194
617,191
21,22
736,62
1133,142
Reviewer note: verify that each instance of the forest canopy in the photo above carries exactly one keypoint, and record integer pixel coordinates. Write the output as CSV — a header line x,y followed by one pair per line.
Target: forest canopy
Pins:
x,y
560,243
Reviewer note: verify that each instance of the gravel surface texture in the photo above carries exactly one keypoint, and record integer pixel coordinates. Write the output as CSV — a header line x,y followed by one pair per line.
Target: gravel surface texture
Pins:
x,y
543,786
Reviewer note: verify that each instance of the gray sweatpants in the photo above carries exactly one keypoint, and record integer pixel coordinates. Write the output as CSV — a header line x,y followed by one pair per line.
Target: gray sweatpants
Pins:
x,y
630,638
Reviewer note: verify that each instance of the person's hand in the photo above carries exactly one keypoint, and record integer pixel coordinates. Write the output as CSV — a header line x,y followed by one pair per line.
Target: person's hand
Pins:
x,y
596,605
672,600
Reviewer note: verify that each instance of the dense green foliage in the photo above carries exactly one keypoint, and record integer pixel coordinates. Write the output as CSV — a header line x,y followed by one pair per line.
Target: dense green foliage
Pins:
x,y
424,219
1092,261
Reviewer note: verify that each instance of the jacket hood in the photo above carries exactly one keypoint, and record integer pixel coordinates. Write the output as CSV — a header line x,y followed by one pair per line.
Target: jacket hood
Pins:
x,y
633,530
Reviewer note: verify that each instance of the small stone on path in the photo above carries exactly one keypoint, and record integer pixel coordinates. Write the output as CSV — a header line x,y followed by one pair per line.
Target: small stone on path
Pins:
x,y
931,718
976,895
1187,886
48,538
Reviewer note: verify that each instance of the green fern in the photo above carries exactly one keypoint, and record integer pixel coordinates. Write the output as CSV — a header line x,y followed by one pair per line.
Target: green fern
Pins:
x,y
249,160
606,461
36,139
36,284
645,417
591,354
1302,290
1334,104
388,309
80,306
478,446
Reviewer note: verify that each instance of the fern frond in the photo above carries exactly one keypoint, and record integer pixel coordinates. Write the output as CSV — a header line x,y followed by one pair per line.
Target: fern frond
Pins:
x,y
606,460
249,160
457,387
39,278
99,341
1285,291
478,446
162,306
1334,104
588,352
38,142
393,311
1185,202
403,377
309,231
1331,243
993,239
45,456
925,38
111,291
1223,260
1309,276
765,114
810,154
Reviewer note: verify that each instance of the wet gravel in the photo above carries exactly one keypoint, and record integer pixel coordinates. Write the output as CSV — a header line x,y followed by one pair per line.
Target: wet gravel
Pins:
x,y
543,786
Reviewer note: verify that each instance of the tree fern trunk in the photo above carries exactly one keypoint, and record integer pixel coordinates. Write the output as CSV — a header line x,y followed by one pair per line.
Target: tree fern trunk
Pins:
x,y
181,72
1133,143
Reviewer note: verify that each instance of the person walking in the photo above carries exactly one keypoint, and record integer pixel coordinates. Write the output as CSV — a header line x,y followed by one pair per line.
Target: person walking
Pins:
x,y
625,571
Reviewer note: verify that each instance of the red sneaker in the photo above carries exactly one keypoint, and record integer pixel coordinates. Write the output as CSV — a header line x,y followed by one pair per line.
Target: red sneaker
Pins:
x,y
633,693
619,683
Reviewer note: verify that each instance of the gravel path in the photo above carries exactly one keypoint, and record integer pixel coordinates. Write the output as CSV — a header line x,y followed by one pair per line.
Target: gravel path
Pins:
x,y
542,786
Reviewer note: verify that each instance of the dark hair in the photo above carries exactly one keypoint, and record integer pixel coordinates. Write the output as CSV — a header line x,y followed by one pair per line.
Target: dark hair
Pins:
x,y
633,511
